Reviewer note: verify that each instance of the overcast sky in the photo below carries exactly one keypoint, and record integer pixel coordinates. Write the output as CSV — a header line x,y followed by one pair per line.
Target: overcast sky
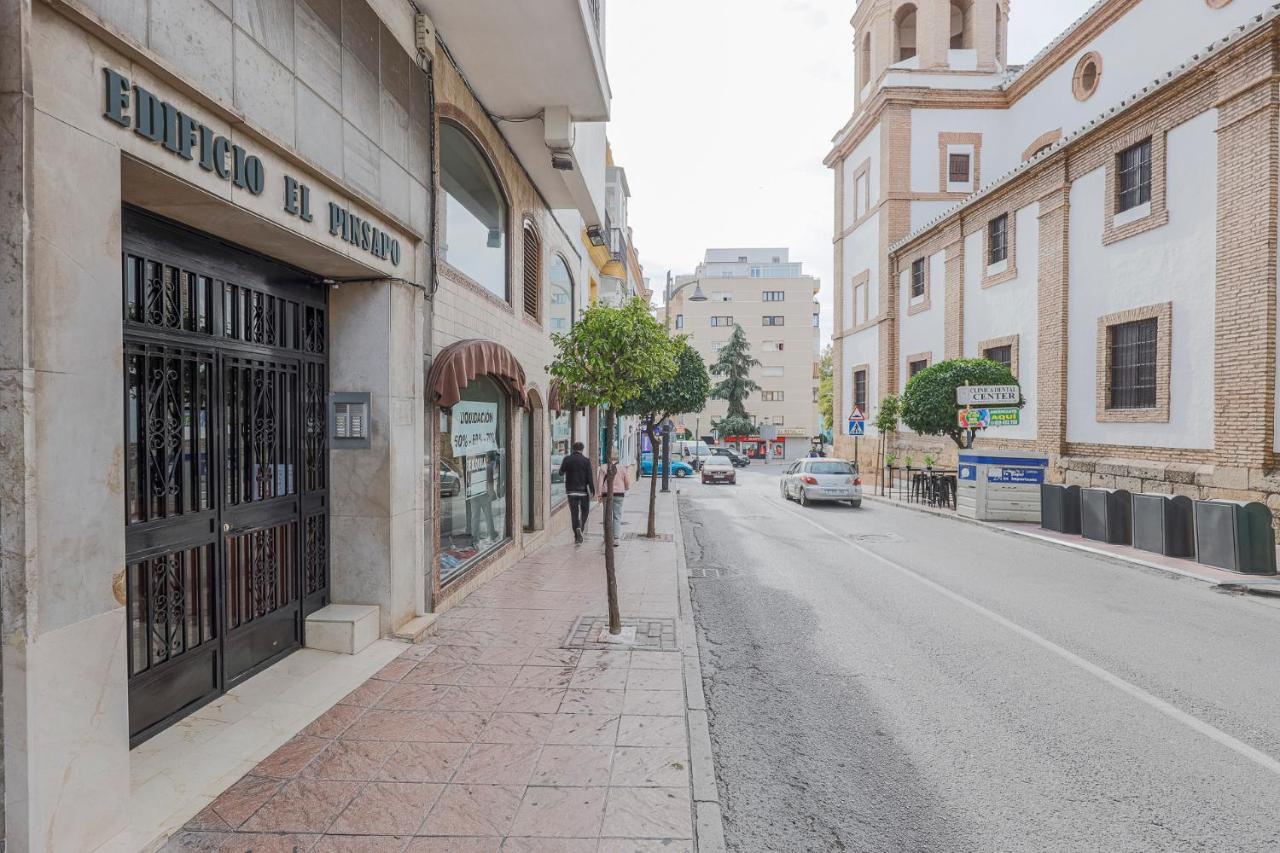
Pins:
x,y
724,109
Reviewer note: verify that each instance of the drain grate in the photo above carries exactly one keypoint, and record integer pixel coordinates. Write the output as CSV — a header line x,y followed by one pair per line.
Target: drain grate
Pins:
x,y
661,537
652,633
714,573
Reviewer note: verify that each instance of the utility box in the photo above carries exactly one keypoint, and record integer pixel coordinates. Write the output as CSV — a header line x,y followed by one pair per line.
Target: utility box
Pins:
x,y
1235,535
1164,524
1060,508
1000,485
1106,516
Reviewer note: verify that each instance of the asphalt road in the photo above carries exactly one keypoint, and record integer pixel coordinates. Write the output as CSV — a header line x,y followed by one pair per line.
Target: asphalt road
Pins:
x,y
883,680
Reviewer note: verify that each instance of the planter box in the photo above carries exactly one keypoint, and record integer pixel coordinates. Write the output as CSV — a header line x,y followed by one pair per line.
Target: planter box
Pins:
x,y
1164,524
1060,508
1106,515
1236,536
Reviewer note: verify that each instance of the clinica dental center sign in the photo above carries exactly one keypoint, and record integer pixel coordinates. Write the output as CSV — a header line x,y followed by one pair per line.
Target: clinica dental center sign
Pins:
x,y
134,107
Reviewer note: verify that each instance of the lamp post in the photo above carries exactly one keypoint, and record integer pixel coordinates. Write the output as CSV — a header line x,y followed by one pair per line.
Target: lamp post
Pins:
x,y
698,295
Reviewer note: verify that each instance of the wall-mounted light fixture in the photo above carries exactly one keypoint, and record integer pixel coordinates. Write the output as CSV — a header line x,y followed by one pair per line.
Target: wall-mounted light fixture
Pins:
x,y
596,235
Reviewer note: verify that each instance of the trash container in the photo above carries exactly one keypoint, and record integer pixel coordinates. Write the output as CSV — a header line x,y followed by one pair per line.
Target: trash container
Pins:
x,y
1060,508
1105,515
1164,524
1000,485
1235,535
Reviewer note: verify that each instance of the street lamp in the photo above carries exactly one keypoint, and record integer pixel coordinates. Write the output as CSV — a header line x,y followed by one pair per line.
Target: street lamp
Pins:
x,y
698,295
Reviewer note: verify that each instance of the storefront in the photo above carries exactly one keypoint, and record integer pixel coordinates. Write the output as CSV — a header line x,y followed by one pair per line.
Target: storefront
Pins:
x,y
476,388
756,448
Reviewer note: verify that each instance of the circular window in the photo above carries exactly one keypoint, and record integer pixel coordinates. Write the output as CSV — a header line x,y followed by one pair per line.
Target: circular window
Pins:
x,y
1088,74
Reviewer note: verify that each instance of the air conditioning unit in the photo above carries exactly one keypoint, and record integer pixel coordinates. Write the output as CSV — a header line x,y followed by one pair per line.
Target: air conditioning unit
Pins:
x,y
425,35
558,128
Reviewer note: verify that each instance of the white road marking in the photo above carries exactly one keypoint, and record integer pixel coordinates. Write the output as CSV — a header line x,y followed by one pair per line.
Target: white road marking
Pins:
x,y
1195,723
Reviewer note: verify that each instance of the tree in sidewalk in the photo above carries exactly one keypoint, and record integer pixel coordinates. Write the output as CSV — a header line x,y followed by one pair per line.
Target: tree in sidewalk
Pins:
x,y
607,360
735,364
929,402
826,391
685,392
887,416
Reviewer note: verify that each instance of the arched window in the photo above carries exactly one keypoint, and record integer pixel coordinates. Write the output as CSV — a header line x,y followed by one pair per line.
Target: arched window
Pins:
x,y
864,61
474,231
904,33
532,271
560,302
961,24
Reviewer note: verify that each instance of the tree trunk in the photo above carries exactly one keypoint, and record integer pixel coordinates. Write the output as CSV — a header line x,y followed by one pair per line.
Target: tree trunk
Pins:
x,y
652,533
610,572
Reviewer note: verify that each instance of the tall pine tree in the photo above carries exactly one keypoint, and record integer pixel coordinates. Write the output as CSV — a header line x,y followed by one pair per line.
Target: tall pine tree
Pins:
x,y
735,364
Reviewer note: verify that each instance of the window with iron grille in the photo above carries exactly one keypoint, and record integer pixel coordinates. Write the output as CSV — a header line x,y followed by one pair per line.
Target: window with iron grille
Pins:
x,y
774,320
860,390
775,296
998,239
958,168
1133,177
1000,355
1132,361
916,366
721,321
917,278
532,272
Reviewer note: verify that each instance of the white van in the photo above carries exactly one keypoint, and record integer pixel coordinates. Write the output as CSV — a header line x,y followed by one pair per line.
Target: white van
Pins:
x,y
691,452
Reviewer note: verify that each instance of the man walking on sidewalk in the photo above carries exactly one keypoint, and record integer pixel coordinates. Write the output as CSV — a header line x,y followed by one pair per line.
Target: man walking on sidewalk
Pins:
x,y
578,486
621,482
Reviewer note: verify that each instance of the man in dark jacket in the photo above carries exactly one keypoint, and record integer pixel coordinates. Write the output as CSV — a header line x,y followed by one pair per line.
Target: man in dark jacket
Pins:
x,y
579,486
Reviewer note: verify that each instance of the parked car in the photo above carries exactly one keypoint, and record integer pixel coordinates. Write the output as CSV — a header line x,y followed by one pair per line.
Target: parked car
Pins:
x,y
677,468
738,460
808,480
692,452
719,469
450,482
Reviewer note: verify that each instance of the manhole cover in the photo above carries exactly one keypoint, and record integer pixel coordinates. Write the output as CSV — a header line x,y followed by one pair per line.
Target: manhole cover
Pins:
x,y
875,537
652,633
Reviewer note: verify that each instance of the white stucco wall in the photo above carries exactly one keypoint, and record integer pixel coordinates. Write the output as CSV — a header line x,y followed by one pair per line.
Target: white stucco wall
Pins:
x,y
867,149
860,348
1174,263
1009,308
862,254
925,331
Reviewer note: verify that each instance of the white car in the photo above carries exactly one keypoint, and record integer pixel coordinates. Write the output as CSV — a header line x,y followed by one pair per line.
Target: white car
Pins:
x,y
819,479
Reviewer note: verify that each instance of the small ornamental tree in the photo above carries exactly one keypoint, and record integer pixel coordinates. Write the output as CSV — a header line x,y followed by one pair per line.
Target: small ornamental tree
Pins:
x,y
734,425
929,403
826,391
607,360
887,422
735,364
685,392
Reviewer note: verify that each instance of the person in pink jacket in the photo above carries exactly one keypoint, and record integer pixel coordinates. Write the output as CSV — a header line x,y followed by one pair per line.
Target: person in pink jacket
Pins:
x,y
621,482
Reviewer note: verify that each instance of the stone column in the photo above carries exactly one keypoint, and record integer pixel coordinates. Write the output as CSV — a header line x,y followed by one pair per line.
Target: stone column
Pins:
x,y
376,494
1245,291
1051,306
66,726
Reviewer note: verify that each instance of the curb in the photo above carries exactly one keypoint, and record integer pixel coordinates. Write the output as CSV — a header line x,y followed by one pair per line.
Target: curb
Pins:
x,y
708,821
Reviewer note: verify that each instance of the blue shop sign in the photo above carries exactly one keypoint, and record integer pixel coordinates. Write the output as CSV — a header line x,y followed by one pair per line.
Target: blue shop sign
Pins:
x,y
969,473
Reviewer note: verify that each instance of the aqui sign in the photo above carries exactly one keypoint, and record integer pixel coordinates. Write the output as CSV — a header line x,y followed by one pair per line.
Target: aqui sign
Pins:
x,y
985,418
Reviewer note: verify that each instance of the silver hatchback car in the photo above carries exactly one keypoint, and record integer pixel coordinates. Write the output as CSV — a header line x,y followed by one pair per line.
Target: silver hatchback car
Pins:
x,y
819,479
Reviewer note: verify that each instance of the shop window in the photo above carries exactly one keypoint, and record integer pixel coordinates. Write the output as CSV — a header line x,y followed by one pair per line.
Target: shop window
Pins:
x,y
559,446
560,300
474,474
474,231
526,469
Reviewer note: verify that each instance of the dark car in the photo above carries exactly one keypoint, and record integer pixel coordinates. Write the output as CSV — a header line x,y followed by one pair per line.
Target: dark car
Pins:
x,y
738,460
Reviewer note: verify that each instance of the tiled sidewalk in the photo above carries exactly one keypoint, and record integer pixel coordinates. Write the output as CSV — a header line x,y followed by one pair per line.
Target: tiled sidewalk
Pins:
x,y
491,735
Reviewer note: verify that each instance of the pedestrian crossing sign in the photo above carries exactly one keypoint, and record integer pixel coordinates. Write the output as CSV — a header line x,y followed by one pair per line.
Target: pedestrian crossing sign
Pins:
x,y
857,428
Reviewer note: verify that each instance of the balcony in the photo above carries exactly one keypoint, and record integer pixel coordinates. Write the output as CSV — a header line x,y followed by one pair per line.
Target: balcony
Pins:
x,y
543,59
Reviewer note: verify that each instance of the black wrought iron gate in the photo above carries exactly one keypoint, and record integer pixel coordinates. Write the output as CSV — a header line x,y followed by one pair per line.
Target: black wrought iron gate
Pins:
x,y
226,465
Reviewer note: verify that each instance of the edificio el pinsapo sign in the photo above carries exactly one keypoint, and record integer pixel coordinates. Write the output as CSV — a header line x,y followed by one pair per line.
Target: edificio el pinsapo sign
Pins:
x,y
130,105
988,395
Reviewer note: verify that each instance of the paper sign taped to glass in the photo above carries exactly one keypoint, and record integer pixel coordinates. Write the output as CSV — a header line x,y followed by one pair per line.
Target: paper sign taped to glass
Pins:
x,y
474,428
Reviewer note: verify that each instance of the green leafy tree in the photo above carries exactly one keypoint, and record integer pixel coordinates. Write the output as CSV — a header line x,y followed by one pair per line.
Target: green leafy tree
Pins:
x,y
734,425
685,392
607,360
735,364
826,390
929,401
888,413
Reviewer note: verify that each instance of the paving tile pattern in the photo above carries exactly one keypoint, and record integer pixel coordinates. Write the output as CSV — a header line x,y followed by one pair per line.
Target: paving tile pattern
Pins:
x,y
506,730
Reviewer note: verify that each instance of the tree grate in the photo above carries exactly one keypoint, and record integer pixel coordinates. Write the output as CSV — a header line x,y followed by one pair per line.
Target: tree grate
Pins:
x,y
652,633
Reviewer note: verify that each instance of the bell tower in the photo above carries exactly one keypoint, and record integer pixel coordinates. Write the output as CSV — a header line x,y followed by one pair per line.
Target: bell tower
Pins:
x,y
961,36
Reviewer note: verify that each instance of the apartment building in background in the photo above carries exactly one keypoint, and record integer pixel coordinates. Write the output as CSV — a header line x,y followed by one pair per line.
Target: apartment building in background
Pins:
x,y
1102,220
773,300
